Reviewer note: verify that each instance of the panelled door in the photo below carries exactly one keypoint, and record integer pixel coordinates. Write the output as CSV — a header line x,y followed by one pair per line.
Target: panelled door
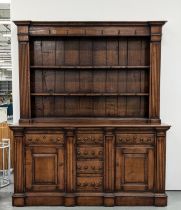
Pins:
x,y
134,168
44,168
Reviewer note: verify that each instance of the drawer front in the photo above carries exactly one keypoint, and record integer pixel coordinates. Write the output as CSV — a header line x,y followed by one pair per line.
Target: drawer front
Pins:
x,y
135,138
89,184
89,167
90,139
90,153
44,139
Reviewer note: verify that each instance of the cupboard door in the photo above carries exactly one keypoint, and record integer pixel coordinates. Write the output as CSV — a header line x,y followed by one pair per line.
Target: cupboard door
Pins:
x,y
44,169
134,168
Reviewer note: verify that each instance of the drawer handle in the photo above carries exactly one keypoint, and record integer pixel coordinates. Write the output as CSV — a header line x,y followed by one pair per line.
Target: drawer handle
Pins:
x,y
93,184
85,184
149,140
100,153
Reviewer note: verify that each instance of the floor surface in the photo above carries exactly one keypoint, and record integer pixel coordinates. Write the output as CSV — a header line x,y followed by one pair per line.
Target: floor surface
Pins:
x,y
174,203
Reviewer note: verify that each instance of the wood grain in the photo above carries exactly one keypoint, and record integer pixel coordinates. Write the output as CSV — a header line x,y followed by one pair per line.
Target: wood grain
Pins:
x,y
89,131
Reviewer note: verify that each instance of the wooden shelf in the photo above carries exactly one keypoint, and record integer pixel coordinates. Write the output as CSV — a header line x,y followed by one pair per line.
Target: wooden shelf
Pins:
x,y
89,94
89,67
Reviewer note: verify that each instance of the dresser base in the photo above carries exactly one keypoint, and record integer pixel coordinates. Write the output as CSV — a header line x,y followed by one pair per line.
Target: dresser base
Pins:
x,y
90,199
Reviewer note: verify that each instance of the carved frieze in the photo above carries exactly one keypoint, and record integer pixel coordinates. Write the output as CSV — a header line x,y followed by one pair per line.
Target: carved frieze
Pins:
x,y
89,184
90,153
44,139
90,139
89,167
135,139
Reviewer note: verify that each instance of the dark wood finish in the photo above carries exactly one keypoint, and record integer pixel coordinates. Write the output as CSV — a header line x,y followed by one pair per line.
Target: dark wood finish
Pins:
x,y
89,131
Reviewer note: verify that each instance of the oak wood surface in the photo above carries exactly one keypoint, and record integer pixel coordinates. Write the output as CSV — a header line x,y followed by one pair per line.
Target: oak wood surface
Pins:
x,y
89,131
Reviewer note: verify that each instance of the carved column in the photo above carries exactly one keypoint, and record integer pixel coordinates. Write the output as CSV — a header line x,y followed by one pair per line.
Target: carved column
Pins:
x,y
109,159
24,71
18,196
70,168
155,54
160,198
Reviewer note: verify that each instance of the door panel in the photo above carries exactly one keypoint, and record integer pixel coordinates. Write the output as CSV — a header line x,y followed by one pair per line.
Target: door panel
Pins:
x,y
44,169
134,168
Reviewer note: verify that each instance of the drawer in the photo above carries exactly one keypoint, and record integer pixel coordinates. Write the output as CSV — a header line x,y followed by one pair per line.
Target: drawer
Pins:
x,y
135,138
89,167
44,139
89,184
90,139
90,153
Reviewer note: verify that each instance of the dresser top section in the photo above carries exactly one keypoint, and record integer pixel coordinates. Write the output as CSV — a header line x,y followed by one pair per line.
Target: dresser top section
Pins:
x,y
90,23
89,28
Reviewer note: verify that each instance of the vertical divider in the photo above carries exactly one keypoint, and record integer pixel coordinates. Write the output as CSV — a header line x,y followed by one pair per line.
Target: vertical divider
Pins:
x,y
109,166
160,197
18,196
70,167
155,53
24,71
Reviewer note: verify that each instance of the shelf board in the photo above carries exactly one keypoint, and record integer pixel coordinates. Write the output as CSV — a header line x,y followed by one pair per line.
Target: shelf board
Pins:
x,y
89,67
89,94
